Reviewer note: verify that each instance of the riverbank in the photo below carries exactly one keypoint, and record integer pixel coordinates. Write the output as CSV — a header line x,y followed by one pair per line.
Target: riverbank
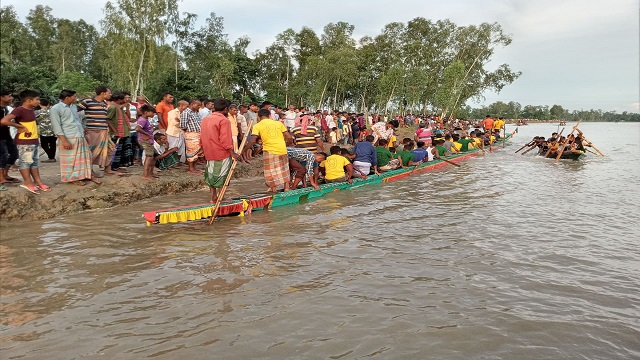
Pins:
x,y
17,204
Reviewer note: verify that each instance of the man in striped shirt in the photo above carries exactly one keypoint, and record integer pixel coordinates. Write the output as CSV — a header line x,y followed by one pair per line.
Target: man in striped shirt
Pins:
x,y
190,122
305,164
97,129
307,136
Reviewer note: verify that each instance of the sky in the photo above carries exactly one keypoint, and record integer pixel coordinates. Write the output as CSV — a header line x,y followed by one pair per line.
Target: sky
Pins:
x,y
581,54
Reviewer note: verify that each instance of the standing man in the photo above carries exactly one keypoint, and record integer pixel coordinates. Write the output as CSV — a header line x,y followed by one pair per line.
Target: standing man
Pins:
x,y
190,122
118,130
162,110
97,129
276,161
235,126
207,105
47,137
498,125
8,149
487,124
307,136
175,134
242,121
290,117
218,147
75,158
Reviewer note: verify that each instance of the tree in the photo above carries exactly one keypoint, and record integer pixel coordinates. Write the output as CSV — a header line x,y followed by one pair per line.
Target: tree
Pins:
x,y
557,112
83,84
134,30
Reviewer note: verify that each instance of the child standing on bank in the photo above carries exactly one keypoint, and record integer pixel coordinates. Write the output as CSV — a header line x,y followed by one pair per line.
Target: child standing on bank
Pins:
x,y
145,135
334,136
23,118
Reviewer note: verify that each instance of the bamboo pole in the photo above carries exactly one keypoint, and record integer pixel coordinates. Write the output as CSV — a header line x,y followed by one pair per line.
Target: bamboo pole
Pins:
x,y
226,182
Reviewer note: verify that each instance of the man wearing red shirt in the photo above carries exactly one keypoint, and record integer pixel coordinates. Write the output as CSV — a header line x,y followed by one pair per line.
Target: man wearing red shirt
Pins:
x,y
217,144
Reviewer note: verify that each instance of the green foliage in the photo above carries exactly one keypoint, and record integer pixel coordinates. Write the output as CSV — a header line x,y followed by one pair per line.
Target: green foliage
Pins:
x,y
83,84
148,46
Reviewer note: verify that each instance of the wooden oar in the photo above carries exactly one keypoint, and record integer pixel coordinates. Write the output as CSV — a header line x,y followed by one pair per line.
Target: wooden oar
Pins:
x,y
525,145
226,182
415,167
590,143
450,162
567,141
594,153
551,148
531,148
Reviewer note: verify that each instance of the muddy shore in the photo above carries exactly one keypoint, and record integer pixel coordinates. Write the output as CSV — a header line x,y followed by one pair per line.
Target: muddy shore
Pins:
x,y
18,204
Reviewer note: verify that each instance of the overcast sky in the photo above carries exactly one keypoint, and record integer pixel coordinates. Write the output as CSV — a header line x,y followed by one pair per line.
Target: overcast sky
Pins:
x,y
580,54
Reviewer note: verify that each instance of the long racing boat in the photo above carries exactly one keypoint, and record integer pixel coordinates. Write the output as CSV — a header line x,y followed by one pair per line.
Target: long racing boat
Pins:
x,y
240,206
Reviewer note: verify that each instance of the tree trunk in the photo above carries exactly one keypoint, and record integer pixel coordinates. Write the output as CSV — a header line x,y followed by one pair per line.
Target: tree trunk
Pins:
x,y
335,96
322,96
139,75
386,108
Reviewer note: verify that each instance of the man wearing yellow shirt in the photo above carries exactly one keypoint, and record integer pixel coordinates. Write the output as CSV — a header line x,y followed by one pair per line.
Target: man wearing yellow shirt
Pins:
x,y
498,124
274,149
335,165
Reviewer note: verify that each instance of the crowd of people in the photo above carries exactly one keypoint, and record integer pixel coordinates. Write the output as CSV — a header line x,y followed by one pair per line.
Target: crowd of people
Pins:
x,y
205,136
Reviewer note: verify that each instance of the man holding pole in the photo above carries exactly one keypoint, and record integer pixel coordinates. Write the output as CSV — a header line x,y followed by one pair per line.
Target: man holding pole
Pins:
x,y
217,144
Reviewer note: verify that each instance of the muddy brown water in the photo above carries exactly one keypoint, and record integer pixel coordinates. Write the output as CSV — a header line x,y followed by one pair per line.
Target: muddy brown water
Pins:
x,y
506,257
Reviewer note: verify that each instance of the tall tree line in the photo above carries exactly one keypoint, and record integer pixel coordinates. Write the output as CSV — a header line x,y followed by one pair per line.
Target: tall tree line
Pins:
x,y
150,47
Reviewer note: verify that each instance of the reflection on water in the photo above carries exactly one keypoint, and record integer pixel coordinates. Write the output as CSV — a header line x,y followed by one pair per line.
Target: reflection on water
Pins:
x,y
508,256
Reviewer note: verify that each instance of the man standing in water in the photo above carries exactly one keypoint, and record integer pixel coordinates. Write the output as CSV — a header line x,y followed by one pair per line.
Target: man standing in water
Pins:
x,y
217,144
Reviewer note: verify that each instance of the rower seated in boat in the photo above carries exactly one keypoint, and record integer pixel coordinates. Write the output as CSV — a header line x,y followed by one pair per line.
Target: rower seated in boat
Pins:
x,y
386,160
357,173
333,167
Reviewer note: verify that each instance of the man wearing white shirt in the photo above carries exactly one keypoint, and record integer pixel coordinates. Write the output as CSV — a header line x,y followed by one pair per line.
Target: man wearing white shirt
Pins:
x,y
290,117
331,123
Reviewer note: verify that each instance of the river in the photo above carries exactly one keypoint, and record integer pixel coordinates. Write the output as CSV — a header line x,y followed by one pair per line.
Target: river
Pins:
x,y
506,257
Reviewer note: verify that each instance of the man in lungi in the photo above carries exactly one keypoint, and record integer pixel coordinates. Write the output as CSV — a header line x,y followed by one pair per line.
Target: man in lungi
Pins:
x,y
276,161
190,122
97,129
75,158
175,135
217,144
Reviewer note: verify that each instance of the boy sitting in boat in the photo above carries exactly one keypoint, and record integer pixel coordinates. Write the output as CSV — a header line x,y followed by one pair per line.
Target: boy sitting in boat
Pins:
x,y
357,173
407,156
366,156
439,150
386,160
333,167
422,153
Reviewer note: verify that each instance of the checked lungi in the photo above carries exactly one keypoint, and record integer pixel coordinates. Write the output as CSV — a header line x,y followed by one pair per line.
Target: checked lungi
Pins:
x,y
276,169
100,146
75,164
216,172
192,145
